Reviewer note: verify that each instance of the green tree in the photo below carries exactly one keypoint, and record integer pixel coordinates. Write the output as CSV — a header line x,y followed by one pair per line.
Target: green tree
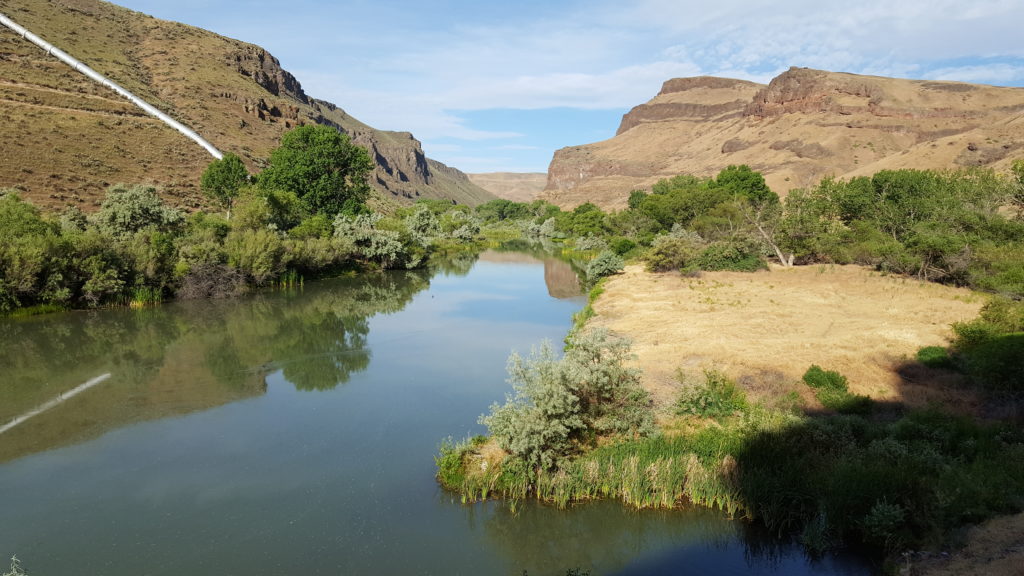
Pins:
x,y
222,180
745,183
323,168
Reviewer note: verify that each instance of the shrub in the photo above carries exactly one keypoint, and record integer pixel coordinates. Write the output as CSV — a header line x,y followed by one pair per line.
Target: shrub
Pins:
x,y
590,244
622,246
127,210
729,256
422,225
716,397
673,251
604,264
991,347
820,379
260,208
316,226
934,357
259,254
560,404
211,280
831,389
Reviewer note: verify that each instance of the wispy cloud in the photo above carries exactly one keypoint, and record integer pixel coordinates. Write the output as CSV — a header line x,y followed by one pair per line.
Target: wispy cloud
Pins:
x,y
408,65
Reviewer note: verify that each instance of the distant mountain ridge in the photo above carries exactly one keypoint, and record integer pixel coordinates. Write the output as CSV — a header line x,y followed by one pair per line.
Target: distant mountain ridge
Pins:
x,y
514,186
66,139
804,125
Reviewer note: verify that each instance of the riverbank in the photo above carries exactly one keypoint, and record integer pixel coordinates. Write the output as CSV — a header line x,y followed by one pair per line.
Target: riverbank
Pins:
x,y
764,329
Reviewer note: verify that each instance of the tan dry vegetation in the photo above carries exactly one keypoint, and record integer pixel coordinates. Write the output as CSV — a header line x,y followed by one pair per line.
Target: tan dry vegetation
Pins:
x,y
995,548
765,329
514,186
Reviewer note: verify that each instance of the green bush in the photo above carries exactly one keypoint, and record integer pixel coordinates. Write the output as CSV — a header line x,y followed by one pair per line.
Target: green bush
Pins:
x,y
562,404
832,390
622,246
604,264
673,251
991,347
127,210
934,357
260,254
820,379
729,256
716,397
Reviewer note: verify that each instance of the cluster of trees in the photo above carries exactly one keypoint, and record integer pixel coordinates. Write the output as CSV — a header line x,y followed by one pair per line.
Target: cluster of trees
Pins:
x,y
305,214
961,227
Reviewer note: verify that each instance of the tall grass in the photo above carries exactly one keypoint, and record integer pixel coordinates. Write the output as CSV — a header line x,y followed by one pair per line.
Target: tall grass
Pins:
x,y
831,479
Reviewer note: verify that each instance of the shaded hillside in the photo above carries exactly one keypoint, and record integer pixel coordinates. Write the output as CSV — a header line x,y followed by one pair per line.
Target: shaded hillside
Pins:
x,y
804,125
514,186
66,139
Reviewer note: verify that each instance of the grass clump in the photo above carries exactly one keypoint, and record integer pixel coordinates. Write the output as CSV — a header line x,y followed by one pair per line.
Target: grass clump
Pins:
x,y
990,348
716,397
832,390
935,357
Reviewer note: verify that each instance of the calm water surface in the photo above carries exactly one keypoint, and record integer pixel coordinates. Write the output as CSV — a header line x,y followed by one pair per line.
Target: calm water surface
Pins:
x,y
294,433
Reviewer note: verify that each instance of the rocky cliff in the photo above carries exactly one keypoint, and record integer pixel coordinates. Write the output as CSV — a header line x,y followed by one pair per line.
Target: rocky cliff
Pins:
x,y
804,125
66,139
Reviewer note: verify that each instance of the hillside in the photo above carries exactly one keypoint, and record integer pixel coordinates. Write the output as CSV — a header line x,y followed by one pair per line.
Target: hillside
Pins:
x,y
515,186
66,139
804,125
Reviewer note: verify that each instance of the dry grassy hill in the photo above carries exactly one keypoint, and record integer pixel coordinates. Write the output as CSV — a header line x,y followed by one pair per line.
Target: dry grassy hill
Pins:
x,y
804,125
515,186
66,139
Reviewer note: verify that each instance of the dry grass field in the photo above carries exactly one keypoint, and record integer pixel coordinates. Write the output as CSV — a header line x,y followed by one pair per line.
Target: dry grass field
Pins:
x,y
765,329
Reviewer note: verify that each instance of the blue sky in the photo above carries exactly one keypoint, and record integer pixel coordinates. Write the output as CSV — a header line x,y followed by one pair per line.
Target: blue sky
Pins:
x,y
498,86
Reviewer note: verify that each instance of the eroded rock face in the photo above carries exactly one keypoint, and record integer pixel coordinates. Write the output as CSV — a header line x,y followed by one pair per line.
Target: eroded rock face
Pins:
x,y
234,94
707,98
804,125
265,70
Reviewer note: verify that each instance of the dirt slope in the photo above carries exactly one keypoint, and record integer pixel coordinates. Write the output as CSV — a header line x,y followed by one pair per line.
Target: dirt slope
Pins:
x,y
804,125
66,139
767,328
515,186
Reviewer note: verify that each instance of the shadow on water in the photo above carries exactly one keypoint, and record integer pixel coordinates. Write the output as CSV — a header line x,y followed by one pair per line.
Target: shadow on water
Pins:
x,y
606,538
183,357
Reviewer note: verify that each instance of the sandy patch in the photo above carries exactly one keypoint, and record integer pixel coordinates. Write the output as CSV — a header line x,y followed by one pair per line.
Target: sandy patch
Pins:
x,y
767,328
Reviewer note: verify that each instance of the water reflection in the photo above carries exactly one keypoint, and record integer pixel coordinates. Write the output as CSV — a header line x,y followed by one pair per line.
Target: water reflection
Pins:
x,y
187,356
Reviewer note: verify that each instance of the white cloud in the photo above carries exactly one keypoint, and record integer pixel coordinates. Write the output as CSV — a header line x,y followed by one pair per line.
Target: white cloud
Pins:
x,y
981,73
409,67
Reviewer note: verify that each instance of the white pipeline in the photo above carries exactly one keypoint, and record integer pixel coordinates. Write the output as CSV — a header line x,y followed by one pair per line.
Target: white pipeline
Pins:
x,y
60,398
96,76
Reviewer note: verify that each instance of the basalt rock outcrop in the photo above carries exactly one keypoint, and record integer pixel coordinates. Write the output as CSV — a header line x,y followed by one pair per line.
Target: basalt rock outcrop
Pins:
x,y
804,125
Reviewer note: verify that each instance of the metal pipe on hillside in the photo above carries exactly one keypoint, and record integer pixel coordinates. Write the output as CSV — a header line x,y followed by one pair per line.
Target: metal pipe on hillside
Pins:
x,y
96,76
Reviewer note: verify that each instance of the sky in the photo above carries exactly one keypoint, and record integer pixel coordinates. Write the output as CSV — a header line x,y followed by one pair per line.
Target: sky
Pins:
x,y
491,86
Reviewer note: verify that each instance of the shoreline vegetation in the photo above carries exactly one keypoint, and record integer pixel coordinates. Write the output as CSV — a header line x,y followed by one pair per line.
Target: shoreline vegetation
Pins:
x,y
842,469
852,471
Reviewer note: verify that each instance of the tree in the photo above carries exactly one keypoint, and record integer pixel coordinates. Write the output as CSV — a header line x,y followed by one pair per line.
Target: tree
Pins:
x,y
222,180
745,183
323,168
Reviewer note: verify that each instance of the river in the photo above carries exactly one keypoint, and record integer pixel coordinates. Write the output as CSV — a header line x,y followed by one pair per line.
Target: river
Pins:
x,y
293,432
